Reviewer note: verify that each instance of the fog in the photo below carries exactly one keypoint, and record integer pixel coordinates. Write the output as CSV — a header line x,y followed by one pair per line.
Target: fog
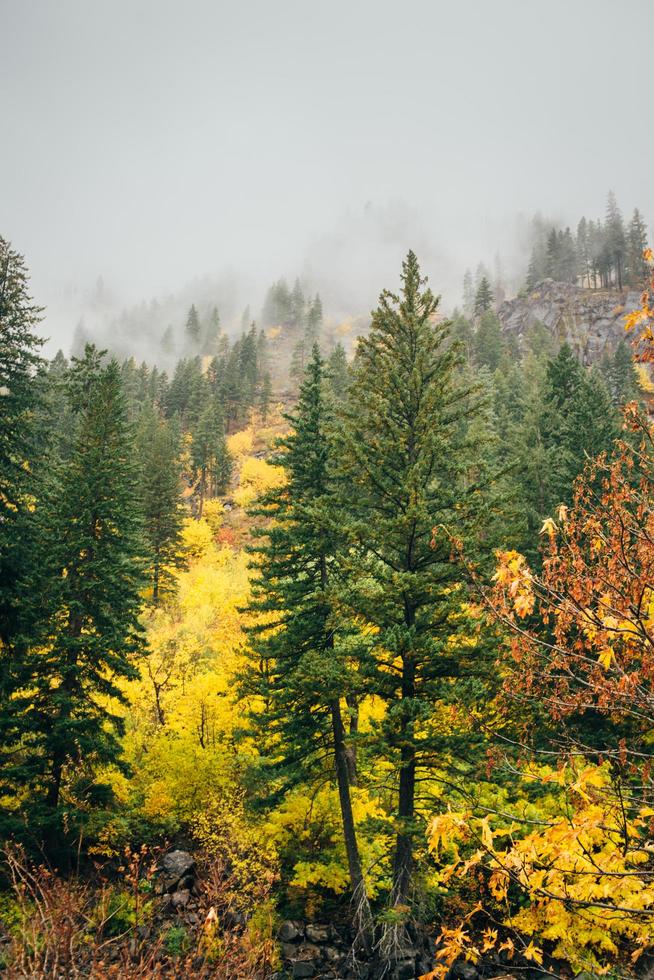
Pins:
x,y
206,148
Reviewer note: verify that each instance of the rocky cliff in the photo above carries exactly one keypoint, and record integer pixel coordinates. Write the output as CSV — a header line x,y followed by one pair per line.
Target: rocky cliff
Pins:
x,y
590,321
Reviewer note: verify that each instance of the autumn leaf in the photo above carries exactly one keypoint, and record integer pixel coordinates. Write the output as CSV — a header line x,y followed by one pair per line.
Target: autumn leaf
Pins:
x,y
533,953
549,527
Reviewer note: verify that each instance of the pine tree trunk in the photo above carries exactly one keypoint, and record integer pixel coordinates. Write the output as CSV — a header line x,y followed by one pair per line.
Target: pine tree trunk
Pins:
x,y
403,861
362,914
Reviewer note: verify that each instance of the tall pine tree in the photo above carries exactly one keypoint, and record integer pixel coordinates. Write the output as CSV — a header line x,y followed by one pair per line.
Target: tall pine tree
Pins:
x,y
300,670
404,465
159,498
88,603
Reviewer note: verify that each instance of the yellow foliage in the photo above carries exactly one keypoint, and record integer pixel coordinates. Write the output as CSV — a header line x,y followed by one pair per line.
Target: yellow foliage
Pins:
x,y
256,477
197,538
580,872
307,831
213,513
240,443
182,713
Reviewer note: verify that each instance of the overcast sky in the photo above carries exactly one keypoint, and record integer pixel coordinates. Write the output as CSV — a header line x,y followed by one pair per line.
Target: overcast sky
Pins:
x,y
152,141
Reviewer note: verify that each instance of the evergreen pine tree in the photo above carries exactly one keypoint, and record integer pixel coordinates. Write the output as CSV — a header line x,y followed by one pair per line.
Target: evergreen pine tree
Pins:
x,y
20,409
300,671
533,272
212,333
616,244
404,463
578,422
583,257
193,328
314,322
89,633
620,374
209,455
338,372
159,498
483,297
487,341
636,266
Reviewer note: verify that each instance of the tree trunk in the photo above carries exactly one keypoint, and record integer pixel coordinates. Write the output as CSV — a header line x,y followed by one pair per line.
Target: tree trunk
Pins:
x,y
403,861
362,914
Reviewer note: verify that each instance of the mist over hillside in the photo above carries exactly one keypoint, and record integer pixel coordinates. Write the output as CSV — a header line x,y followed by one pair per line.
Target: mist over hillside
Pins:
x,y
346,265
326,490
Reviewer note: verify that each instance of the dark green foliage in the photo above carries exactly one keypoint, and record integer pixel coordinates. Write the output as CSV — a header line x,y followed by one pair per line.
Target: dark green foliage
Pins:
x,y
86,594
211,462
299,538
338,372
615,244
483,297
553,415
19,360
21,411
159,497
187,393
487,343
620,374
406,465
300,650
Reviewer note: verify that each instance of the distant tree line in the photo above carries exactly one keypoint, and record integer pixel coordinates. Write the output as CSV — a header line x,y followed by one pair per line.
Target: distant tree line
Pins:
x,y
600,254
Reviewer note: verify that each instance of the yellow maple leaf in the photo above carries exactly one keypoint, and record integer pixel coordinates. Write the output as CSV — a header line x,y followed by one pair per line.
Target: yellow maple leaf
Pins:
x,y
549,527
533,953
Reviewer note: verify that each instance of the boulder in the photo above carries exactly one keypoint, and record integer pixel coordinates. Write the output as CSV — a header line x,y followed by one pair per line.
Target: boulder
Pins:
x,y
318,934
290,931
307,951
180,899
174,866
303,969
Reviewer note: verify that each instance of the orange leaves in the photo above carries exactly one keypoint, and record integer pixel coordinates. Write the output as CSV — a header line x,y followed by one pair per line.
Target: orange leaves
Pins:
x,y
514,581
595,649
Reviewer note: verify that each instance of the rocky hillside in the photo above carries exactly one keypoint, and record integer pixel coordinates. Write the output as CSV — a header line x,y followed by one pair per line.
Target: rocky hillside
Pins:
x,y
590,321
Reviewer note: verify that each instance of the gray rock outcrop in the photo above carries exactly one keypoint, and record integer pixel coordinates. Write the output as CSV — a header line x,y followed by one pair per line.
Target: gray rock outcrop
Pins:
x,y
590,321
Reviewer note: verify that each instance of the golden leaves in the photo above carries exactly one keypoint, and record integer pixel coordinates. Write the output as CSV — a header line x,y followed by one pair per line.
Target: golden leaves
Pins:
x,y
514,576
